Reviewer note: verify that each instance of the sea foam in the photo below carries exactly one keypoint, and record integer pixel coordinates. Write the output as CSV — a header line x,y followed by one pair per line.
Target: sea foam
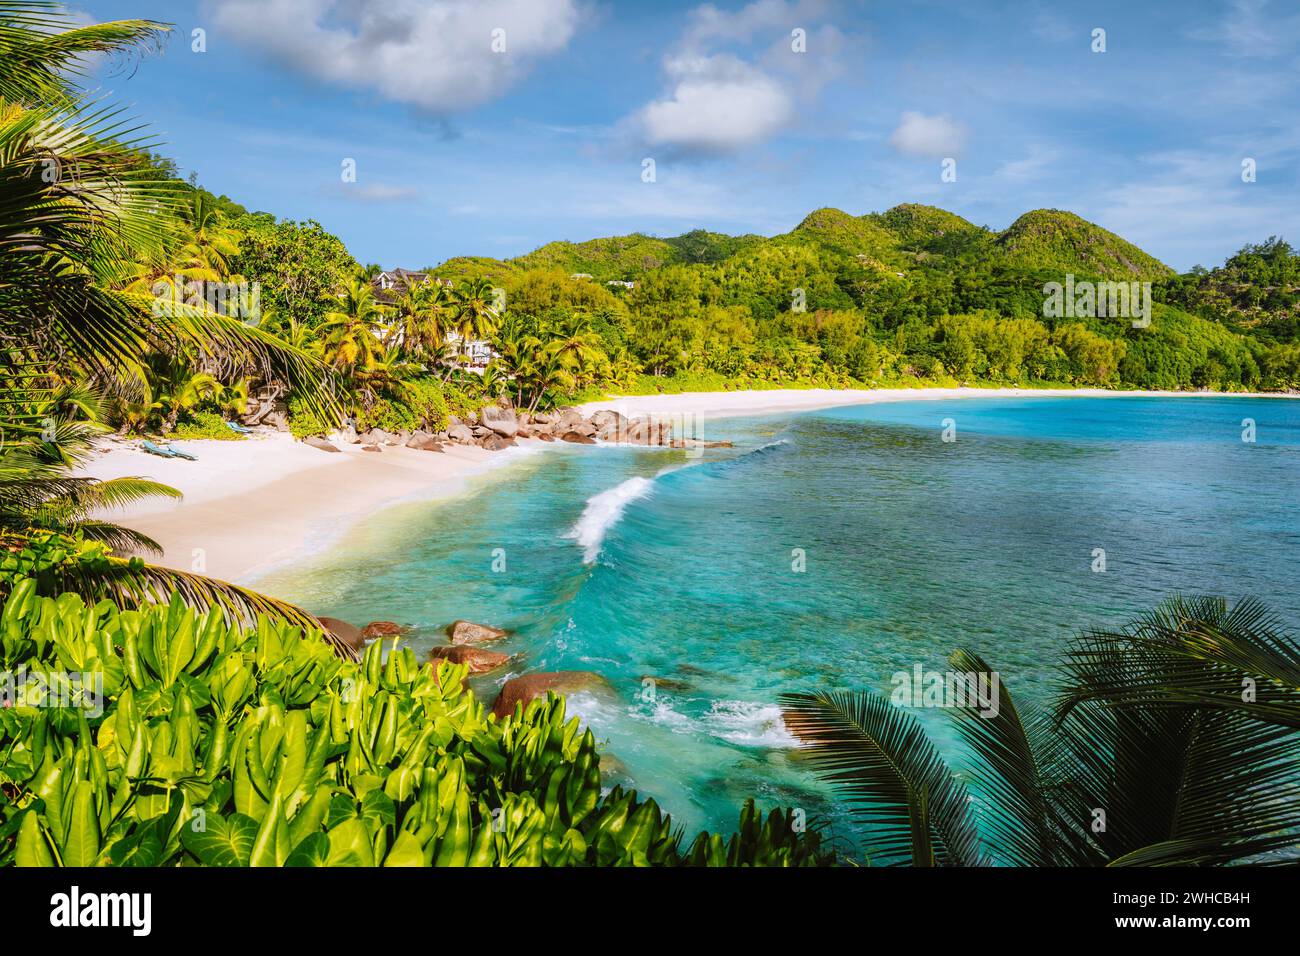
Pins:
x,y
602,513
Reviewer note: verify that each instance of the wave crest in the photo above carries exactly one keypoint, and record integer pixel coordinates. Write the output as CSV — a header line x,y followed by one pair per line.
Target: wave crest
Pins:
x,y
602,512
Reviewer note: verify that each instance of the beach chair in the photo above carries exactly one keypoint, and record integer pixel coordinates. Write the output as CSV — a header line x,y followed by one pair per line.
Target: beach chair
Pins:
x,y
150,448
238,428
178,453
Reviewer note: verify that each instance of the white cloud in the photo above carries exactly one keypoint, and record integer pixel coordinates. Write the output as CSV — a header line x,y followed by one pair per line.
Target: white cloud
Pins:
x,y
434,54
719,104
720,101
930,136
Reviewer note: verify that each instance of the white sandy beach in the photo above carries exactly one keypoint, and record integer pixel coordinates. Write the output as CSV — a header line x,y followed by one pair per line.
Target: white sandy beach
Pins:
x,y
250,505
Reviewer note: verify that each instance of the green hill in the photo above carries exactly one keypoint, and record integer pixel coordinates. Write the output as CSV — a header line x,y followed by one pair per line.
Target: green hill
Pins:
x,y
614,257
902,239
1051,239
928,229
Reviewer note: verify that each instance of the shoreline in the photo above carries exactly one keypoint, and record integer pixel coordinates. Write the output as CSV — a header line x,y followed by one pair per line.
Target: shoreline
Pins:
x,y
253,506
774,401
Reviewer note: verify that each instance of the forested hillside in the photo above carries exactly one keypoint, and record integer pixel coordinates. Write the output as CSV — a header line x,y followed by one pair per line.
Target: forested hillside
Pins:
x,y
912,294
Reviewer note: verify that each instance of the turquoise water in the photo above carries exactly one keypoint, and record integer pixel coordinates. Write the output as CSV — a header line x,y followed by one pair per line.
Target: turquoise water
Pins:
x,y
648,563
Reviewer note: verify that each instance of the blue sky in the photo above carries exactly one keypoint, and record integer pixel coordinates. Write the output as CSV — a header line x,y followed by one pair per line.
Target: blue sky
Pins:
x,y
463,149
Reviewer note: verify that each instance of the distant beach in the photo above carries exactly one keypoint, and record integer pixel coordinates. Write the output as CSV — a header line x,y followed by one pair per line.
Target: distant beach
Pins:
x,y
269,500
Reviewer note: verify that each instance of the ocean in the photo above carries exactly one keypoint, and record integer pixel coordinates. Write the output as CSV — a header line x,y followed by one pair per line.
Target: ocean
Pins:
x,y
826,550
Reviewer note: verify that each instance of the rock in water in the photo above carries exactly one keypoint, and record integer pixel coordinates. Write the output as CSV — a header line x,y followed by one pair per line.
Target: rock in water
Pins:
x,y
520,690
317,442
382,629
467,632
497,442
577,438
478,659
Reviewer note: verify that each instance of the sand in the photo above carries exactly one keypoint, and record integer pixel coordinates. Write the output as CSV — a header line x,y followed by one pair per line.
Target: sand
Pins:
x,y
251,505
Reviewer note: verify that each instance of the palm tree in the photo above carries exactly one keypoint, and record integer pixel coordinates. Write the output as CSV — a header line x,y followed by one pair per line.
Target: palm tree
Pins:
x,y
1172,742
578,345
349,330
79,207
419,325
474,312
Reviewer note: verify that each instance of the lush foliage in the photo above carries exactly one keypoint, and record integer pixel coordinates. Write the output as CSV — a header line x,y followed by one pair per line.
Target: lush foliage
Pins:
x,y
221,746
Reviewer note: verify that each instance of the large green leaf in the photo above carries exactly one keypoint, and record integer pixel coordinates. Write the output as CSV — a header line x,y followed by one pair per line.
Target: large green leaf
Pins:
x,y
223,841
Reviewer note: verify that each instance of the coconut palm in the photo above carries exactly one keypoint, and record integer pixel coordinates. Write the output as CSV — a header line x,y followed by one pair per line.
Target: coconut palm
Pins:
x,y
1173,741
348,332
474,312
79,208
420,320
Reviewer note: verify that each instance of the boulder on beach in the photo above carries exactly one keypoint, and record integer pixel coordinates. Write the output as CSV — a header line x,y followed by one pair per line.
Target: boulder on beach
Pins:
x,y
317,442
371,448
503,421
497,442
460,433
545,436
577,438
521,690
423,441
606,418
382,629
343,634
467,632
479,660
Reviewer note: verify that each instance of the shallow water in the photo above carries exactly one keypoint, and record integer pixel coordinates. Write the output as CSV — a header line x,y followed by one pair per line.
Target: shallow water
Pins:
x,y
829,550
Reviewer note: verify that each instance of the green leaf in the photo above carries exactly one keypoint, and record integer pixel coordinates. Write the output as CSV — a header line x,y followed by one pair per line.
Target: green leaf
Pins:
x,y
313,851
82,846
32,849
224,841
406,851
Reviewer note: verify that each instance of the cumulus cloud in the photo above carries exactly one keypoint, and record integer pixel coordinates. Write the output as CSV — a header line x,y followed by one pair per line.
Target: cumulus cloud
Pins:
x,y
719,100
437,55
930,136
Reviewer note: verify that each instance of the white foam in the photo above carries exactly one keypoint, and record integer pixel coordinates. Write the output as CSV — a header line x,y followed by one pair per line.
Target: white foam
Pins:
x,y
749,724
602,513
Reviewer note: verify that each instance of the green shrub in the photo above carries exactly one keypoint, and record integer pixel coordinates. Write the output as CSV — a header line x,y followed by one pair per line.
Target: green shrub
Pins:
x,y
223,746
206,425
303,421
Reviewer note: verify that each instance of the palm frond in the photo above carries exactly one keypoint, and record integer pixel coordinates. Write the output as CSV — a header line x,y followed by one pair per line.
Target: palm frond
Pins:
x,y
879,756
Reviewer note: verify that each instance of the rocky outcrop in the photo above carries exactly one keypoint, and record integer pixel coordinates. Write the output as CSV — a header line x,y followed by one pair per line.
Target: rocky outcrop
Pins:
x,y
382,629
467,632
521,690
423,441
323,444
478,659
503,421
